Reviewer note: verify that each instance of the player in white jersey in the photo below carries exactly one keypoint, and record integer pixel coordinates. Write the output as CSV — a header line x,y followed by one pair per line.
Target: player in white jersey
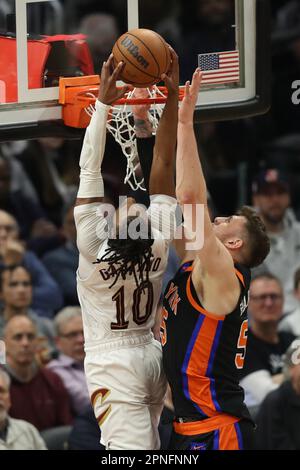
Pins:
x,y
119,281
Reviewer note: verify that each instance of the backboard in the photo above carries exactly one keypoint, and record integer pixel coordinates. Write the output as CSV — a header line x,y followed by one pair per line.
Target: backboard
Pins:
x,y
41,40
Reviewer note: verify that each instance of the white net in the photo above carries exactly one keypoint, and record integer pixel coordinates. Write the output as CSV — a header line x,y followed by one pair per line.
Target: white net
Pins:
x,y
121,126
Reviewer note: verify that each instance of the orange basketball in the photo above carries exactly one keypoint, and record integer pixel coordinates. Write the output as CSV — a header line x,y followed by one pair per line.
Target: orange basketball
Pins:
x,y
146,56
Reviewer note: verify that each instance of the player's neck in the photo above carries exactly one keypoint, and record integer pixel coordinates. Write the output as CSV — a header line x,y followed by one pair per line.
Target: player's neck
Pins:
x,y
23,372
266,332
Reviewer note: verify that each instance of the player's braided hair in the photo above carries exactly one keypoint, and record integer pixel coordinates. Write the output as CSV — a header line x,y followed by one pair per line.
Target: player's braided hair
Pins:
x,y
129,256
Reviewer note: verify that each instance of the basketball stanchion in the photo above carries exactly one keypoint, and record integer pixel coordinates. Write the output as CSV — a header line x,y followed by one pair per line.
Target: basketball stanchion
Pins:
x,y
78,95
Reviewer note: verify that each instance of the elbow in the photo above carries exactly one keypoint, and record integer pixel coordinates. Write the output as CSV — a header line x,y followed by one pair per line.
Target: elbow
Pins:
x,y
187,196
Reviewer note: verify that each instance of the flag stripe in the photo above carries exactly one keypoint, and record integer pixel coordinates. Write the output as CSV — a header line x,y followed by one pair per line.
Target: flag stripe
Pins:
x,y
229,61
220,81
216,77
233,53
235,77
220,75
225,69
224,74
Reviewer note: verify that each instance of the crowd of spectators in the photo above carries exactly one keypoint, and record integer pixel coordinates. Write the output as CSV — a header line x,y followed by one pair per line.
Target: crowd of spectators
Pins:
x,y
42,384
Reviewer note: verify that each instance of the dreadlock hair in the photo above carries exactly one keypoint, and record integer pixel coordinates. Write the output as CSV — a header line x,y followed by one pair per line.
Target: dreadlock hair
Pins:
x,y
129,256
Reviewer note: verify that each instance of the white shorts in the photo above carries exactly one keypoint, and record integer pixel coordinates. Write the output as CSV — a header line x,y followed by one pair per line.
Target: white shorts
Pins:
x,y
127,386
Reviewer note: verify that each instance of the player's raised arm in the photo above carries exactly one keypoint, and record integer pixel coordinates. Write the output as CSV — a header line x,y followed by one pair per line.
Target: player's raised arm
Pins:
x,y
91,187
163,165
190,182
212,260
90,227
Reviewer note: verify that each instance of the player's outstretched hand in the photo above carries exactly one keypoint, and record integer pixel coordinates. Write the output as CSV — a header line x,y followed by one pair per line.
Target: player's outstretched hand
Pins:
x,y
108,91
187,108
171,78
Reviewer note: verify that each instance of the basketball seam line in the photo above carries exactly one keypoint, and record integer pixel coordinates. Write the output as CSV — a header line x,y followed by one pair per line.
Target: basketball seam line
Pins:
x,y
145,45
146,73
165,46
131,63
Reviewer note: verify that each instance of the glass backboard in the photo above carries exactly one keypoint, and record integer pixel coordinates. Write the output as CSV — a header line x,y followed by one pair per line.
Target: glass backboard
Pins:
x,y
42,40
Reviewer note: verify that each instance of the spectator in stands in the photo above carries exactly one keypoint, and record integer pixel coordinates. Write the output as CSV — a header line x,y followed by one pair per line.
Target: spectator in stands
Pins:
x,y
37,394
15,434
279,416
20,182
53,175
16,296
86,433
262,370
102,32
271,196
62,263
47,297
69,364
28,212
291,322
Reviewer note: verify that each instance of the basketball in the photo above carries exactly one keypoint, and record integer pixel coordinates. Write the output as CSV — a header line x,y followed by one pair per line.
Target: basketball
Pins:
x,y
146,56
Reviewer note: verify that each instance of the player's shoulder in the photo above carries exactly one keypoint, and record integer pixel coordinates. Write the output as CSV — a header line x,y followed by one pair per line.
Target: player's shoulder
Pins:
x,y
183,272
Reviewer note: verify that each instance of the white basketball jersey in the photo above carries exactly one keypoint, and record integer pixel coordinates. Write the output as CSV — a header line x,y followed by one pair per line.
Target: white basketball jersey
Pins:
x,y
110,312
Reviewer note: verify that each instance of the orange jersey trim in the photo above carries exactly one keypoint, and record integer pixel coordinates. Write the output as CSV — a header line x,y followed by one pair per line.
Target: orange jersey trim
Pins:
x,y
241,277
197,306
190,269
207,425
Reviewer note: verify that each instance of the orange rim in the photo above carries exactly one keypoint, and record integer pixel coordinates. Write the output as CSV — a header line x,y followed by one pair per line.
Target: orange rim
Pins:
x,y
83,96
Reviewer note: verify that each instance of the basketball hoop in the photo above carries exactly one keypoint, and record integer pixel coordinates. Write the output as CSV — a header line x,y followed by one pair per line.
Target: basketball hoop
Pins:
x,y
79,105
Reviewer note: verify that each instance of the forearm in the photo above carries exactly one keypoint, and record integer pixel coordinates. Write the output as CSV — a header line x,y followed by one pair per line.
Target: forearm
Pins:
x,y
163,166
91,183
165,141
143,127
190,182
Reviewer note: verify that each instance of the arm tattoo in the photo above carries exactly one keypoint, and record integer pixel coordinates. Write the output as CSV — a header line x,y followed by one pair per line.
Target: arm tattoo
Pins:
x,y
143,128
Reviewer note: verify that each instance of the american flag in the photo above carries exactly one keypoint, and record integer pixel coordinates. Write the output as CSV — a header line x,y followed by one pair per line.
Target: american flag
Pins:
x,y
220,67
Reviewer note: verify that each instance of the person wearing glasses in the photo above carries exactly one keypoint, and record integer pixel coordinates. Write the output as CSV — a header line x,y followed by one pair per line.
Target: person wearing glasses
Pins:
x,y
37,393
262,372
69,364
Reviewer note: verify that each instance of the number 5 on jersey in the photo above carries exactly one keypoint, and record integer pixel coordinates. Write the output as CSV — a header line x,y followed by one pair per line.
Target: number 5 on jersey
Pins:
x,y
242,343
